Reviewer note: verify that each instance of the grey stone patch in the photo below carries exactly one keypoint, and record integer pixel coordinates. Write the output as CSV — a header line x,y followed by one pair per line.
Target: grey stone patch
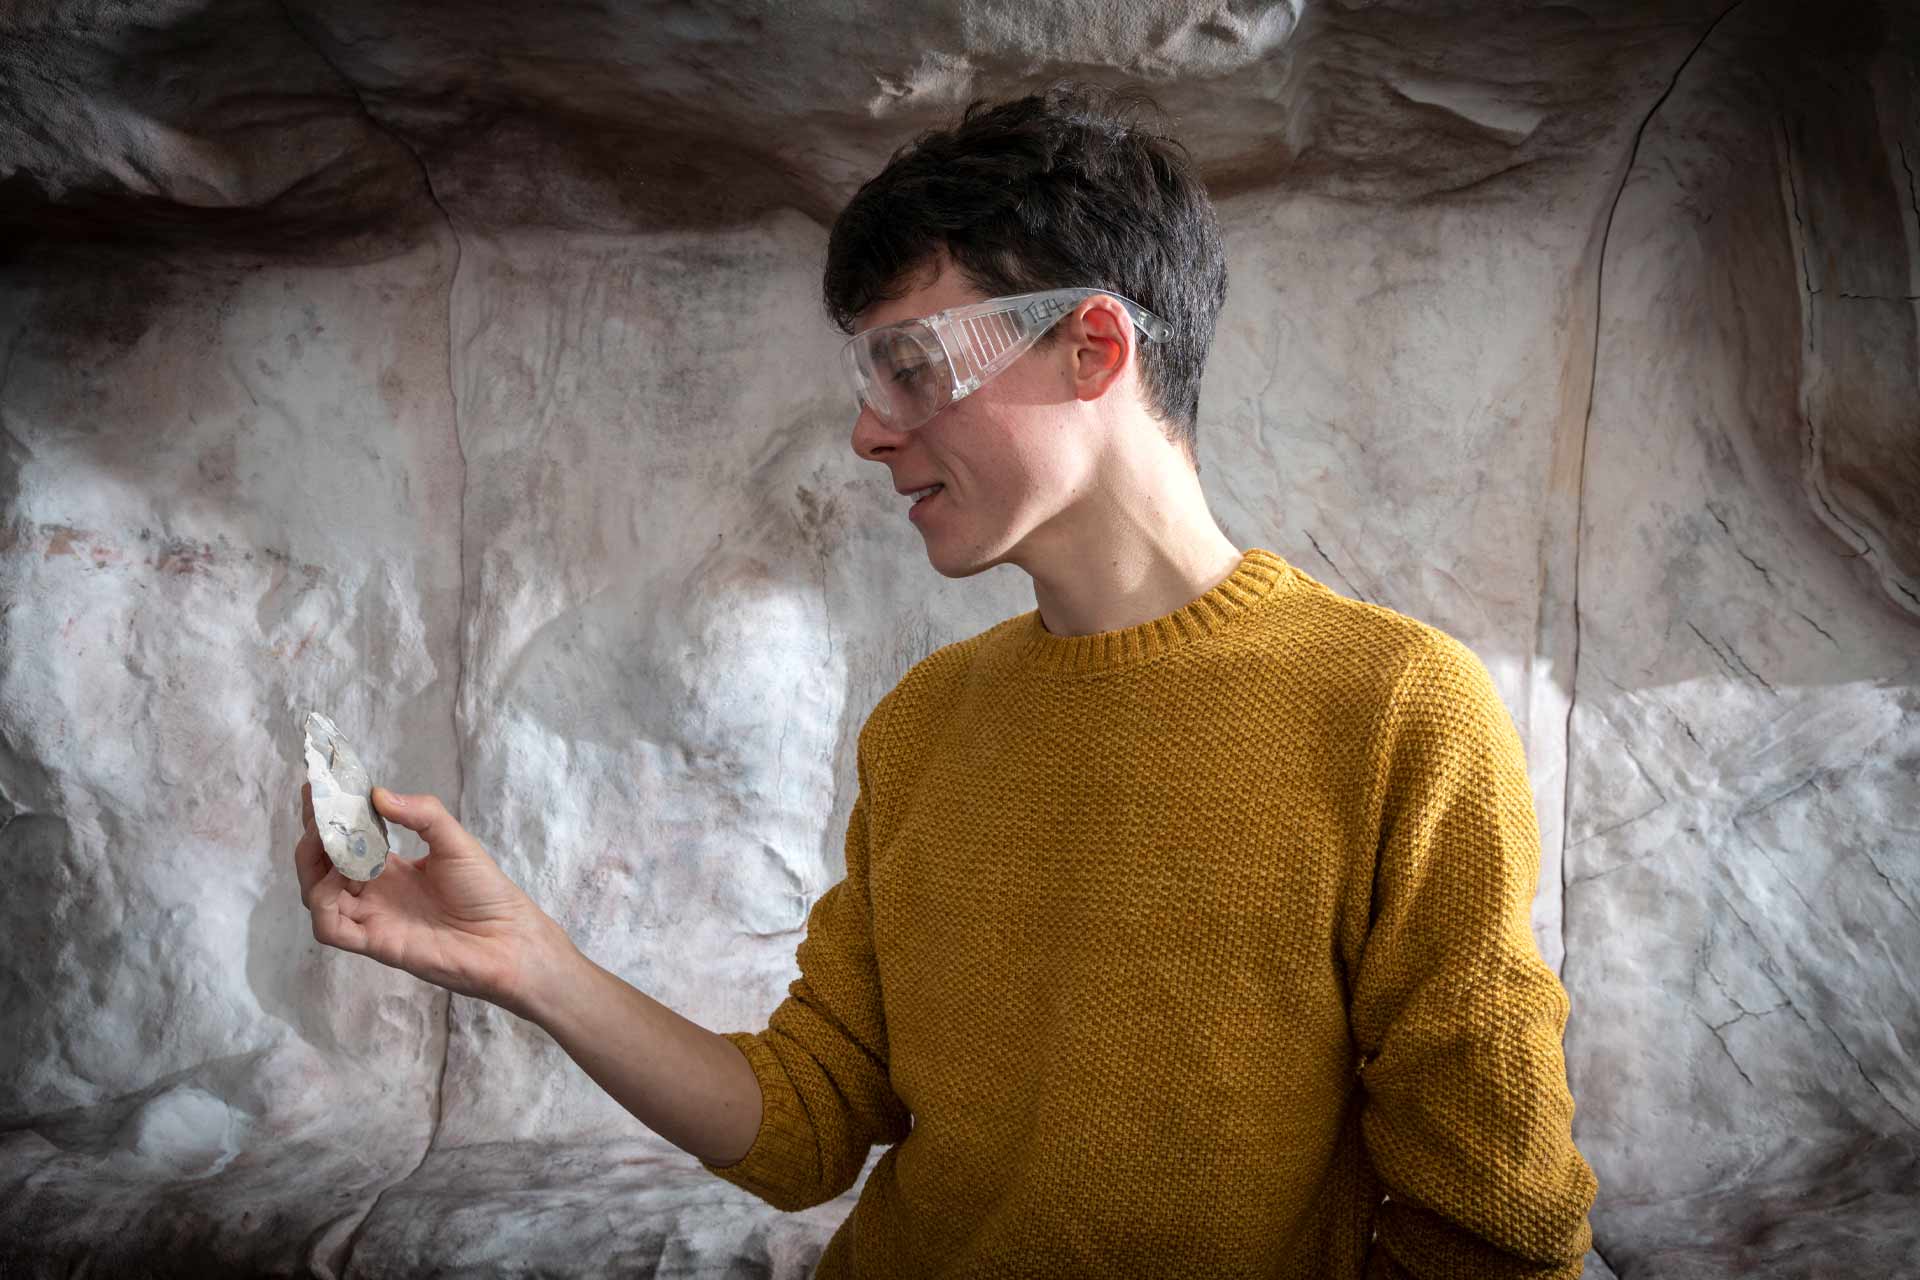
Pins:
x,y
354,833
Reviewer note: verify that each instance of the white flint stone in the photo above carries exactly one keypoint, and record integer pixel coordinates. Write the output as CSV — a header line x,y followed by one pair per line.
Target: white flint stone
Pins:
x,y
355,835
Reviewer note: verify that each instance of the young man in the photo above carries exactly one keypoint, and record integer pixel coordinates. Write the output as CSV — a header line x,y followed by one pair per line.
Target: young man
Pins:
x,y
1185,922
1187,914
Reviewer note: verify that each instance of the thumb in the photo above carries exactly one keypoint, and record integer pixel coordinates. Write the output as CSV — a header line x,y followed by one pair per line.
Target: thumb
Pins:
x,y
395,808
425,815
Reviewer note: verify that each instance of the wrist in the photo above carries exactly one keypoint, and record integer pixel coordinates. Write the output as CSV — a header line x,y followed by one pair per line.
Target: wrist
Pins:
x,y
551,966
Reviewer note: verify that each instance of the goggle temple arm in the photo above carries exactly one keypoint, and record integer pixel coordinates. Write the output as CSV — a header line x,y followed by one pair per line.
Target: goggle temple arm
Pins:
x,y
984,338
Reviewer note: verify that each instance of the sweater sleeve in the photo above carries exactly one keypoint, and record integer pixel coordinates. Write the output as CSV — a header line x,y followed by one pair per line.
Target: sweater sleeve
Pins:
x,y
826,1098
1467,1116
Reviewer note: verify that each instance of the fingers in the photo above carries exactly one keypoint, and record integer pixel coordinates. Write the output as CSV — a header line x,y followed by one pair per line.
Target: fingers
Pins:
x,y
320,881
331,899
340,929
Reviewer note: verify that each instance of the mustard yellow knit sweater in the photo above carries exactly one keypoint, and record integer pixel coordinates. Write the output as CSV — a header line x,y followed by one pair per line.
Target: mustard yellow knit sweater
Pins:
x,y
1170,951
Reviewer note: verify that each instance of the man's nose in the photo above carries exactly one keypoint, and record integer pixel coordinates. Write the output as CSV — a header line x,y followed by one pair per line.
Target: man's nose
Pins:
x,y
869,431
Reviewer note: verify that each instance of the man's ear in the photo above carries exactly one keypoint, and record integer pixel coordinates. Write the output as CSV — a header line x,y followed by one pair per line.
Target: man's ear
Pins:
x,y
1101,333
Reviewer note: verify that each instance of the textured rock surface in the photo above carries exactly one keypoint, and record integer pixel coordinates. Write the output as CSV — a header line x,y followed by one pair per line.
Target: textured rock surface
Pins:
x,y
351,830
475,387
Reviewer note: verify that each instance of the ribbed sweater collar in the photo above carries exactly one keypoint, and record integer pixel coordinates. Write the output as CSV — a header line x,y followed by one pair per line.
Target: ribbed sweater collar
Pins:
x,y
1027,645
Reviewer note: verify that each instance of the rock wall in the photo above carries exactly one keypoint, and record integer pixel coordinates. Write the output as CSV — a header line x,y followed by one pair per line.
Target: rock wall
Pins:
x,y
461,373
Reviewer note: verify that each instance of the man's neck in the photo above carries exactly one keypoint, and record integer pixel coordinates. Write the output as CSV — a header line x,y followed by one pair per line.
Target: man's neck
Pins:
x,y
1133,582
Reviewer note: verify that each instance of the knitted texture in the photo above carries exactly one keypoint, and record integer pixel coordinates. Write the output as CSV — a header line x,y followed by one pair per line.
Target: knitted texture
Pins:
x,y
1172,951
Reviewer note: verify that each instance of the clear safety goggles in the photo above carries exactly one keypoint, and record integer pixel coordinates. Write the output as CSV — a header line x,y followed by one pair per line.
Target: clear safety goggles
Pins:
x,y
909,371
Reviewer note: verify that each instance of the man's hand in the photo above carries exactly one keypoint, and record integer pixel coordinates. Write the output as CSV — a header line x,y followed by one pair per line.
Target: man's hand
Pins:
x,y
451,918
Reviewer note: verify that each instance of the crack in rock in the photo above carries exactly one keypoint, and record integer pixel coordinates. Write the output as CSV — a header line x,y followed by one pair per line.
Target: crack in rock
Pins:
x,y
1359,595
343,1257
1586,430
1891,1104
1736,665
1762,569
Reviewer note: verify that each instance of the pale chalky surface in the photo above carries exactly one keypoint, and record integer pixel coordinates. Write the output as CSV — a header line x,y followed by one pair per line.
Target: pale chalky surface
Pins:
x,y
479,394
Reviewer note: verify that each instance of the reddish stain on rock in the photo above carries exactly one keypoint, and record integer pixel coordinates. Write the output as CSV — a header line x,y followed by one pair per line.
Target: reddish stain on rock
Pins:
x,y
279,650
178,556
60,539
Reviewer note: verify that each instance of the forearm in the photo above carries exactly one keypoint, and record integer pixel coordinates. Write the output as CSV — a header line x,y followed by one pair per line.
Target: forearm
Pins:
x,y
687,1084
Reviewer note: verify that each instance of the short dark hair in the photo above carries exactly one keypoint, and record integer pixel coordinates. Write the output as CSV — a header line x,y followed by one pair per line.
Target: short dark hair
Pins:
x,y
1061,188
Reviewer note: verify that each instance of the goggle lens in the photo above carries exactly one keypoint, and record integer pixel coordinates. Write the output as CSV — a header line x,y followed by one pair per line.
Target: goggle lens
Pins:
x,y
901,373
